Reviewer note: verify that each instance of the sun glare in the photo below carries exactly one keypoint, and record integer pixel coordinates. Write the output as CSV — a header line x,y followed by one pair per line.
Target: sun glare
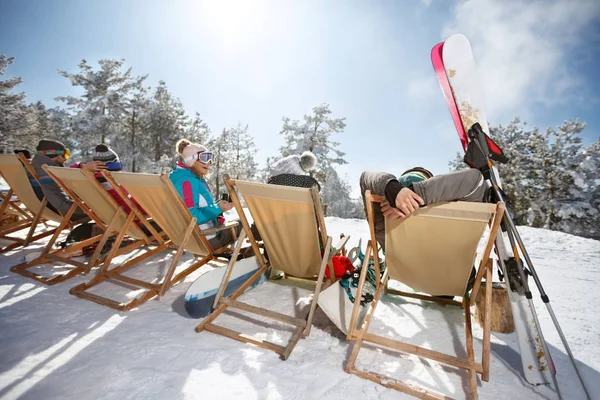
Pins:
x,y
230,21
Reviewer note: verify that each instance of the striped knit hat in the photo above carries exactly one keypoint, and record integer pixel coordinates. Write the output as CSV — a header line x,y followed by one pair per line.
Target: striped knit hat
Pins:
x,y
105,154
413,175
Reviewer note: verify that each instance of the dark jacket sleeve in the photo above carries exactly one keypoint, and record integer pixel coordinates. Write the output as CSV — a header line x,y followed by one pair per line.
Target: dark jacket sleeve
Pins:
x,y
467,185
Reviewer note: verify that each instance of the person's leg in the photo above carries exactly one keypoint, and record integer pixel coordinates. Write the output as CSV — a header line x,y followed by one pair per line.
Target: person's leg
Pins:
x,y
225,237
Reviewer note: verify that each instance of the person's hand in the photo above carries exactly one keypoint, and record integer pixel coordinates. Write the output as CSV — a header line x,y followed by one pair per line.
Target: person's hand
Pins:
x,y
408,201
94,166
225,205
390,212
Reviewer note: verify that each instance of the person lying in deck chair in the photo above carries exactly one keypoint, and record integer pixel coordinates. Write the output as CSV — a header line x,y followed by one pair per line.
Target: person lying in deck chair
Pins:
x,y
189,178
417,187
55,154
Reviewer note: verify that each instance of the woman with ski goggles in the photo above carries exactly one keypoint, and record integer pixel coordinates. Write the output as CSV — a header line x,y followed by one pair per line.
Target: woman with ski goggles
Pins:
x,y
190,181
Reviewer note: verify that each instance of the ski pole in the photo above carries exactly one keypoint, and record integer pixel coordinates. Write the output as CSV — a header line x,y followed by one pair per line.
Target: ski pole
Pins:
x,y
545,299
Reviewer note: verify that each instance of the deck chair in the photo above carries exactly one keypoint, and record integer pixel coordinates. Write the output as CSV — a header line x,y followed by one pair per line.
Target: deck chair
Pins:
x,y
87,194
14,169
286,219
157,196
456,229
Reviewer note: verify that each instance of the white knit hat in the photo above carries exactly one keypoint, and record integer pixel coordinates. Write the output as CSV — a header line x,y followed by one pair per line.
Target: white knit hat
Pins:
x,y
189,151
294,165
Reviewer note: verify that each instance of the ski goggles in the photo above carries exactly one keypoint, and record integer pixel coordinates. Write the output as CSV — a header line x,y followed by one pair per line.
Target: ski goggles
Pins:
x,y
114,166
204,157
66,153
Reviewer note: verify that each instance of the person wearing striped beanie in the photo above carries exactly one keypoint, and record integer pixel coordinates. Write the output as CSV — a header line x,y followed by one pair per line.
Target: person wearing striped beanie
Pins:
x,y
106,155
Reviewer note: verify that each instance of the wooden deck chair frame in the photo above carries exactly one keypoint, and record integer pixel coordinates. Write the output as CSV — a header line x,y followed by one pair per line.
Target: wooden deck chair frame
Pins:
x,y
302,325
14,207
110,229
35,212
359,336
165,243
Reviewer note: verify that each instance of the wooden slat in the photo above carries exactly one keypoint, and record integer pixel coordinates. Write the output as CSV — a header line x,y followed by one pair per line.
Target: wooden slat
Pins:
x,y
67,261
293,342
400,386
425,297
264,312
422,352
244,338
132,281
79,291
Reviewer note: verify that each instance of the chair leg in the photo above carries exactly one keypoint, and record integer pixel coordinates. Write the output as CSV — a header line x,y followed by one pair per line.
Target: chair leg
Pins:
x,y
361,282
36,221
167,281
229,270
222,307
313,304
102,242
63,224
487,324
470,351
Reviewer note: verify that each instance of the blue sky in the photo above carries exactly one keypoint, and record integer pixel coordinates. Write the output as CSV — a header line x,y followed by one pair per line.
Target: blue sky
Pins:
x,y
257,61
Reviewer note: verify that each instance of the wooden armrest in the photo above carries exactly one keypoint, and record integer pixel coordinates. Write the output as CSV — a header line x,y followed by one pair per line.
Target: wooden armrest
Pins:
x,y
341,244
224,227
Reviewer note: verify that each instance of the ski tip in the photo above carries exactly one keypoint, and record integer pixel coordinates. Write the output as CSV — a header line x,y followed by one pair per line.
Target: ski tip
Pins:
x,y
458,39
436,51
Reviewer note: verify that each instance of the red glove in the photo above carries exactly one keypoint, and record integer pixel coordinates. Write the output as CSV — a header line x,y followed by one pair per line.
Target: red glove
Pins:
x,y
220,219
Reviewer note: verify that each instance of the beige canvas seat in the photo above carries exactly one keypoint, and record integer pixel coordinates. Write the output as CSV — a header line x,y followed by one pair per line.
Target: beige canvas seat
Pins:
x,y
156,195
432,251
103,210
14,169
286,219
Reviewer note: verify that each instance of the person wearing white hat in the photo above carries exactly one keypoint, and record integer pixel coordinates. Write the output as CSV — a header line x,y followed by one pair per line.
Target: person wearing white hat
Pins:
x,y
189,178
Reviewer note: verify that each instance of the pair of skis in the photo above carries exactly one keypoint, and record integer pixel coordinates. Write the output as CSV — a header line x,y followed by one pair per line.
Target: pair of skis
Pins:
x,y
454,67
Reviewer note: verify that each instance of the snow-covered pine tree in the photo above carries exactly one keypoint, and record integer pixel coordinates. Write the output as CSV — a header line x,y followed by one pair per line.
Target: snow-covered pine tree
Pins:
x,y
551,179
264,172
234,151
314,134
336,199
519,174
137,103
587,181
197,130
565,206
164,123
52,123
98,112
14,115
219,145
241,154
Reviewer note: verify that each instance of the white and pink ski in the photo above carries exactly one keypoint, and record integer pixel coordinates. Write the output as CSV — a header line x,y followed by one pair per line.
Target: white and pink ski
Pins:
x,y
455,69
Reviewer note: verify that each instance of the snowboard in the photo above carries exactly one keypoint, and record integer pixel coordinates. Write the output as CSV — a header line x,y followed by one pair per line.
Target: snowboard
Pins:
x,y
455,69
201,294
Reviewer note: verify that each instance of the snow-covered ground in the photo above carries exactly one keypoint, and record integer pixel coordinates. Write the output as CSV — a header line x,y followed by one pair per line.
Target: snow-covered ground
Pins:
x,y
56,346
